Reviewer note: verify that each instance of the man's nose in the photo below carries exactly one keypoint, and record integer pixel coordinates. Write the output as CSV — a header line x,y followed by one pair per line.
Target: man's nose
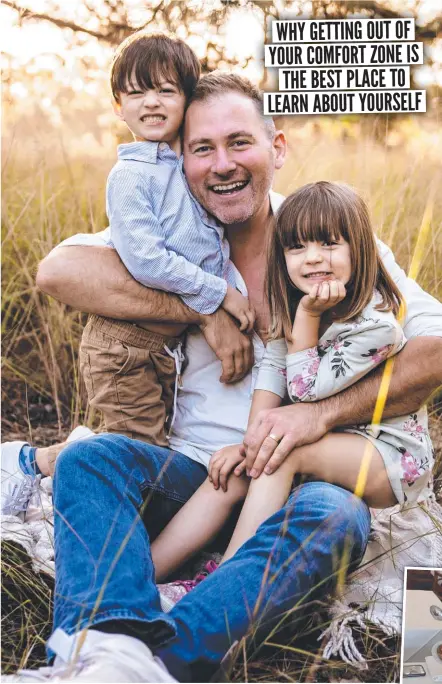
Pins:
x,y
151,98
223,163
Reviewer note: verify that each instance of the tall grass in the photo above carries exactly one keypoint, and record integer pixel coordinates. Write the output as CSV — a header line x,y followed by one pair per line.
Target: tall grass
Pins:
x,y
52,193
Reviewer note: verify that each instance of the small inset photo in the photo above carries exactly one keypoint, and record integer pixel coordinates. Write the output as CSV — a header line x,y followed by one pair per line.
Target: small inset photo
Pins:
x,y
422,626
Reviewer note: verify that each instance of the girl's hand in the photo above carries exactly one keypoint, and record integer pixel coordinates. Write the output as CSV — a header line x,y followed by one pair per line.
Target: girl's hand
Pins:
x,y
323,296
223,462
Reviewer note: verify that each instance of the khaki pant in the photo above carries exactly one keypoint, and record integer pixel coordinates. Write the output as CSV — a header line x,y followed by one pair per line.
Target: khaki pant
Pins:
x,y
129,377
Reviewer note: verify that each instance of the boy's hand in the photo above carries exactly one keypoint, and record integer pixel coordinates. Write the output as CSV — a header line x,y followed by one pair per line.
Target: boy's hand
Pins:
x,y
238,307
232,347
222,463
323,296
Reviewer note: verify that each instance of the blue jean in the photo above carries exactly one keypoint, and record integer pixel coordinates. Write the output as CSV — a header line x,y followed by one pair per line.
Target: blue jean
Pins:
x,y
111,493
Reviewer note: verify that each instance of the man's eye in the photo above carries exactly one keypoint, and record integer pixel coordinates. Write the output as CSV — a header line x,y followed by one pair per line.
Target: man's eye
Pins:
x,y
241,143
201,149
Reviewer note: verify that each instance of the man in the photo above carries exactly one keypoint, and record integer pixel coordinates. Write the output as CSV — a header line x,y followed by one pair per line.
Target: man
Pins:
x,y
105,578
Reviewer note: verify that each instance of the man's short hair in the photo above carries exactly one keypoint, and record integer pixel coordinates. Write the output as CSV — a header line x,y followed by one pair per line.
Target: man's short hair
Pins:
x,y
148,59
218,83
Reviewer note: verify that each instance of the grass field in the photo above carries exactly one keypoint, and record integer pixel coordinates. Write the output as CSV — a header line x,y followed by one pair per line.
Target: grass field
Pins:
x,y
51,194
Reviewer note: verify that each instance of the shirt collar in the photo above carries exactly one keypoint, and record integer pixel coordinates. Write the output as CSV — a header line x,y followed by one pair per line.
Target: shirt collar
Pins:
x,y
146,151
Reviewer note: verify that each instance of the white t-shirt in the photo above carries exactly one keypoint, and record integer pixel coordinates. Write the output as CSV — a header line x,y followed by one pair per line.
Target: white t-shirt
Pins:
x,y
211,415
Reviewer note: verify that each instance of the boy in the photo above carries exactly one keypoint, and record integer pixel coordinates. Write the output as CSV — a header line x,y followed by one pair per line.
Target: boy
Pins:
x,y
166,241
164,238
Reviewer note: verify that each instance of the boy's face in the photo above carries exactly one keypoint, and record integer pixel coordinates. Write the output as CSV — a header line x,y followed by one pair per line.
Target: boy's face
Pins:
x,y
155,114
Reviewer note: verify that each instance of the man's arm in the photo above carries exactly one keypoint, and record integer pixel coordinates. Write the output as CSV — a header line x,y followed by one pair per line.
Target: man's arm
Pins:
x,y
417,373
94,280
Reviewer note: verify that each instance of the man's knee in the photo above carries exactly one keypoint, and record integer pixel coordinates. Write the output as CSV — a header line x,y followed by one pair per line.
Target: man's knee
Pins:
x,y
83,453
332,509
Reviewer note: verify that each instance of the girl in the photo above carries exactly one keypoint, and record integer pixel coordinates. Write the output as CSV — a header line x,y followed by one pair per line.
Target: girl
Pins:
x,y
333,309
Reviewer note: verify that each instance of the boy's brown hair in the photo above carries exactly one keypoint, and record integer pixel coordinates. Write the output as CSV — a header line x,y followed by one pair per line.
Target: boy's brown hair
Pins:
x,y
324,211
147,59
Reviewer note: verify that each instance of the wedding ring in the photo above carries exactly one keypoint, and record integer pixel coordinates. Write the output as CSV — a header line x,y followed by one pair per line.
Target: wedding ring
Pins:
x,y
272,436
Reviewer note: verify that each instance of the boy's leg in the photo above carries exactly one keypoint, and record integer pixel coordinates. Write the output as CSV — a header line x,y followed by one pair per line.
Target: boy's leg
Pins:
x,y
129,377
104,488
294,557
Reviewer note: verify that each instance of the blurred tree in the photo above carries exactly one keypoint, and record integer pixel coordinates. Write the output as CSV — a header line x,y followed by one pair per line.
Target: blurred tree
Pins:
x,y
111,21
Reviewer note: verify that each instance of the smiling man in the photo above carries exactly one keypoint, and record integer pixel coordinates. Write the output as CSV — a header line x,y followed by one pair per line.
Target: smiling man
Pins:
x,y
113,495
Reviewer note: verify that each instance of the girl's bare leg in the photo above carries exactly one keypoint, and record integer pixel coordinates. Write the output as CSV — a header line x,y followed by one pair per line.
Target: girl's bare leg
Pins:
x,y
200,519
336,458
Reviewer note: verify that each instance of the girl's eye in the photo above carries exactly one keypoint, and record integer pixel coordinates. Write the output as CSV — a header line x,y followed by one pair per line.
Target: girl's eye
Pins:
x,y
167,90
297,246
135,92
330,243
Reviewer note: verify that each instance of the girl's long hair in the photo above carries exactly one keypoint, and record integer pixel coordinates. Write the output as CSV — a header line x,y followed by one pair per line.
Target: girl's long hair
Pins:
x,y
320,212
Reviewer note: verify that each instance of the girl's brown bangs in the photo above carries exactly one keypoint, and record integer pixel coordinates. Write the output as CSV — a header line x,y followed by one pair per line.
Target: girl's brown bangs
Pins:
x,y
310,222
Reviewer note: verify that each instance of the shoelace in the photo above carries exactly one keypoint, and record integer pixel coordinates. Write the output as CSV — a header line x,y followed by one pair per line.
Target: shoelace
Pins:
x,y
178,356
17,500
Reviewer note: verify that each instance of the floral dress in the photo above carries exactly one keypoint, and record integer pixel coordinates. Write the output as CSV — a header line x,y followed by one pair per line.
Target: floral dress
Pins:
x,y
344,354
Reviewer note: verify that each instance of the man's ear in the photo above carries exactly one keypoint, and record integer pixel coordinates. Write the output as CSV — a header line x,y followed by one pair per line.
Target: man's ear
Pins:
x,y
279,148
117,110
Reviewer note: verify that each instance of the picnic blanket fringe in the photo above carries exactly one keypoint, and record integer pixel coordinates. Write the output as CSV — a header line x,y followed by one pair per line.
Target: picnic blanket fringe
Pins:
x,y
374,592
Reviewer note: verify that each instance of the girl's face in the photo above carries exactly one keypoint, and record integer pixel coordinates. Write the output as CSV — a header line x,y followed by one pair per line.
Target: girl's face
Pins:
x,y
311,262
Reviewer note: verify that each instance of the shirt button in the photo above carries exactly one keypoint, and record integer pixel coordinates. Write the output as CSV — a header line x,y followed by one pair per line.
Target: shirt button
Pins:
x,y
162,146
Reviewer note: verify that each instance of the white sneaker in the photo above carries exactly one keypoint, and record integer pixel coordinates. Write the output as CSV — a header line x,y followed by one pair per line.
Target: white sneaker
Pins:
x,y
102,658
80,432
17,488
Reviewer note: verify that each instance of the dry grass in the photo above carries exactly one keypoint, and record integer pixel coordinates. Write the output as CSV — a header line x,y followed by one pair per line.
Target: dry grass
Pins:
x,y
48,197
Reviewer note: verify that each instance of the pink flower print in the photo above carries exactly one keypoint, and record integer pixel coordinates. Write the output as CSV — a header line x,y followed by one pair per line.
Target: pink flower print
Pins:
x,y
299,386
313,366
411,472
283,372
380,354
412,426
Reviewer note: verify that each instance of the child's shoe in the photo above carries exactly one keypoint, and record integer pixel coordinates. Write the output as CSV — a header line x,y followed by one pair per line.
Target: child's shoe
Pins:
x,y
173,592
17,488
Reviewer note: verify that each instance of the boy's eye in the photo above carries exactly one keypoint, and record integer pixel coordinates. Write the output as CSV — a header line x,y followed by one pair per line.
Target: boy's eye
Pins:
x,y
167,89
135,92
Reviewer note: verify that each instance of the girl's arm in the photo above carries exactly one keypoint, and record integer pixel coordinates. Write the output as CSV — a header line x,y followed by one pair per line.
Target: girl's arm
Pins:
x,y
316,373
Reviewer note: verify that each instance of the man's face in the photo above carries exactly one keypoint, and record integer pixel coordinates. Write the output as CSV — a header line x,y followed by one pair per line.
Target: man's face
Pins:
x,y
229,158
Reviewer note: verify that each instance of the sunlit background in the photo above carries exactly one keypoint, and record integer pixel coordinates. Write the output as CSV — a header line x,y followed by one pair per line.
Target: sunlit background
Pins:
x,y
59,138
55,59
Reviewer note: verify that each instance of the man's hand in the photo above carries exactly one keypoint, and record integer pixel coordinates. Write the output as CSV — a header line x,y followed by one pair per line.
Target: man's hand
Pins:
x,y
222,463
292,426
239,307
232,347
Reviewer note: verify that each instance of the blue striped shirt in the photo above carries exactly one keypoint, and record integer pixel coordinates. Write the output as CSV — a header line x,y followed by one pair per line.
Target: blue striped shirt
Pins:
x,y
165,239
